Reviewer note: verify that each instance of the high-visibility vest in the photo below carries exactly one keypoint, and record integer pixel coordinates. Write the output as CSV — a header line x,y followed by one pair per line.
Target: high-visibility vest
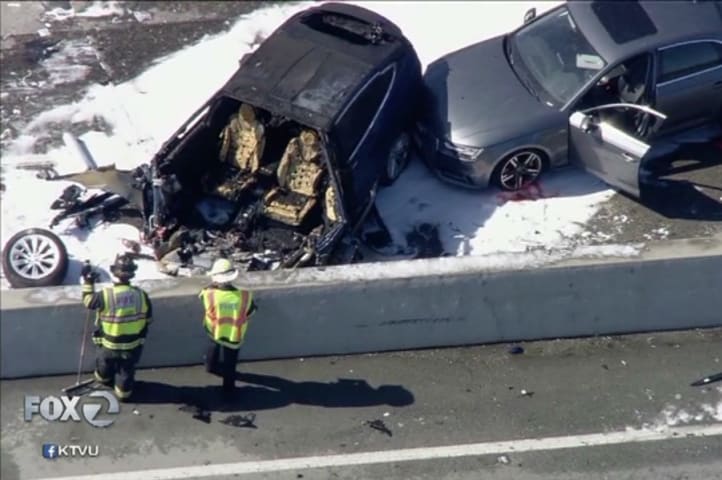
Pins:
x,y
226,315
123,319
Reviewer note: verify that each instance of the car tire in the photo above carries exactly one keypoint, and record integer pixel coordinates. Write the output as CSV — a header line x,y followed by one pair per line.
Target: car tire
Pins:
x,y
397,159
528,159
47,268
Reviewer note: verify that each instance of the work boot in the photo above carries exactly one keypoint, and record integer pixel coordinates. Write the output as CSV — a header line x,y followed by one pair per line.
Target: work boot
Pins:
x,y
108,382
123,395
229,387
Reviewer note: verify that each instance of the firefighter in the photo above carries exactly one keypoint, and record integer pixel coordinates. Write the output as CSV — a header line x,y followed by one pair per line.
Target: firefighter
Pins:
x,y
123,315
227,310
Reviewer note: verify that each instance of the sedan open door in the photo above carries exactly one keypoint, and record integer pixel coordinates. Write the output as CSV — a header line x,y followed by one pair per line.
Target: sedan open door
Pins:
x,y
609,141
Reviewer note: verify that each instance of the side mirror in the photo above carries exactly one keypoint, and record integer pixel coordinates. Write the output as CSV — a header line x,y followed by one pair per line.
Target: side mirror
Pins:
x,y
581,121
586,124
529,15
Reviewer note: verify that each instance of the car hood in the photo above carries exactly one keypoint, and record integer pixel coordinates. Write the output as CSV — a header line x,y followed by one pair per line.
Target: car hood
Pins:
x,y
475,98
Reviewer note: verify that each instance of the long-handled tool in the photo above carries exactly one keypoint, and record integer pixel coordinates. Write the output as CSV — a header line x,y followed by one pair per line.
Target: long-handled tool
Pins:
x,y
707,380
78,384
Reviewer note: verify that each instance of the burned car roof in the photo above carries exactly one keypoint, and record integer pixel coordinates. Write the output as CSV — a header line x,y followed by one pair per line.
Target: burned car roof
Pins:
x,y
312,65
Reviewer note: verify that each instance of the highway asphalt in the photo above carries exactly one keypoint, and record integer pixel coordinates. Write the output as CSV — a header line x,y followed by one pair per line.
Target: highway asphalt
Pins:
x,y
465,397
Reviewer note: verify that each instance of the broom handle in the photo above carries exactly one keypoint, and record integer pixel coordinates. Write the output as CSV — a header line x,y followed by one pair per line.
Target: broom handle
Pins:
x,y
82,346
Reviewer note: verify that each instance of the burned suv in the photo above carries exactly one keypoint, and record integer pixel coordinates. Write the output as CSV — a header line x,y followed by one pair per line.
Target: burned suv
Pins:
x,y
283,162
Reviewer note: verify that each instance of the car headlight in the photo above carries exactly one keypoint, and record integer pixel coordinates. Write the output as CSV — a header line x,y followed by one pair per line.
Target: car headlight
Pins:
x,y
464,153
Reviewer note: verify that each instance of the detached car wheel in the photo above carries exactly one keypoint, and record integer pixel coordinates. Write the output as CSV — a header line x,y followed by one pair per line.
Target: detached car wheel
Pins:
x,y
397,159
34,257
519,170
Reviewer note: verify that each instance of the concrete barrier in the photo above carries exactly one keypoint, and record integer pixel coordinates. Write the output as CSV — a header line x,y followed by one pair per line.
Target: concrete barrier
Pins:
x,y
403,305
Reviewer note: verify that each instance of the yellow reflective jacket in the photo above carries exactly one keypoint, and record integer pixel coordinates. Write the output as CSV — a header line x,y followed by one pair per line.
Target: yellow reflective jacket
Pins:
x,y
227,311
123,316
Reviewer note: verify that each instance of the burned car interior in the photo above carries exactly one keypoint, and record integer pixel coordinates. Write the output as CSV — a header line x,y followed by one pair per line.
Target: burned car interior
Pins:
x,y
262,173
255,185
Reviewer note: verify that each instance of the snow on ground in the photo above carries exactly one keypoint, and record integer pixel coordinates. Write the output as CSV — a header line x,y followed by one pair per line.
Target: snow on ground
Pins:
x,y
94,10
472,223
66,66
673,415
477,223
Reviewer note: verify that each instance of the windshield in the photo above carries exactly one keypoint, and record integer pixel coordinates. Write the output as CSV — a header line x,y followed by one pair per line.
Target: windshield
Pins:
x,y
556,55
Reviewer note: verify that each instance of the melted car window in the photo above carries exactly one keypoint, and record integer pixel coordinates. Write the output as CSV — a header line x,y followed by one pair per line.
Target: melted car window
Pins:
x,y
331,85
349,28
624,21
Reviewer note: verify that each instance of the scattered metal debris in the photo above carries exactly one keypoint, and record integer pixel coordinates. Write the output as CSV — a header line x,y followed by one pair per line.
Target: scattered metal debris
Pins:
x,y
199,413
516,350
241,421
380,426
526,393
424,238
707,380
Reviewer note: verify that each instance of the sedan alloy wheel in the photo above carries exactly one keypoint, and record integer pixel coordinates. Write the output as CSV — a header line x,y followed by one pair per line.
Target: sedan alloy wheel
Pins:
x,y
520,170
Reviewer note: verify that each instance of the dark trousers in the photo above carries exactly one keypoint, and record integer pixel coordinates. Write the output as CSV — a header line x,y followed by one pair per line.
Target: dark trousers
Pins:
x,y
117,368
221,360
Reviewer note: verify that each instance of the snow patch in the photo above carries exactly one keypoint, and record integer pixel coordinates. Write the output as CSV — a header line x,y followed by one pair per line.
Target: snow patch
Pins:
x,y
497,261
141,17
94,10
66,65
675,415
64,114
58,14
102,9
473,222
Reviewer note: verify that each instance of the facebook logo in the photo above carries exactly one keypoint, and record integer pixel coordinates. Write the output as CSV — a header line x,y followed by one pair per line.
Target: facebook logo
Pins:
x,y
50,451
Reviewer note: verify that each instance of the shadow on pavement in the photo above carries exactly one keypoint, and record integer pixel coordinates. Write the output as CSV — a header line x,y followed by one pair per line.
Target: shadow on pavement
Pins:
x,y
687,184
272,392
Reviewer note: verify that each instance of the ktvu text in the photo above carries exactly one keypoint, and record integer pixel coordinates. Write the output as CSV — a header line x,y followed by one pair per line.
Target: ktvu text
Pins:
x,y
64,408
52,451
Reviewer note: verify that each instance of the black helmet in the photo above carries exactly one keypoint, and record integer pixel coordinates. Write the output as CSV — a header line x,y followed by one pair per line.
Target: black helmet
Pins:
x,y
124,267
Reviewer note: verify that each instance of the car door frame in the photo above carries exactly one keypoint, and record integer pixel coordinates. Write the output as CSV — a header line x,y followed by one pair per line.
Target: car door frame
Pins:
x,y
657,54
608,152
351,164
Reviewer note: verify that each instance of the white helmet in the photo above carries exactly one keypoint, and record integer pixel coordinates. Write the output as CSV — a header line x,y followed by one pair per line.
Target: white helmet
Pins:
x,y
223,271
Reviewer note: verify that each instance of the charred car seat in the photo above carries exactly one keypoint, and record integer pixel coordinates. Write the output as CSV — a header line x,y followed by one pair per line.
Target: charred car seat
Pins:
x,y
331,205
299,175
242,144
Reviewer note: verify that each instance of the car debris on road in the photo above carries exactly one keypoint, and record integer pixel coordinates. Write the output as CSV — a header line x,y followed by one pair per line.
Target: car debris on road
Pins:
x,y
380,426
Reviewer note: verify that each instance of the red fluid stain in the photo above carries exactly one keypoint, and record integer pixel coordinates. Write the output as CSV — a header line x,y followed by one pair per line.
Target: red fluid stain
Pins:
x,y
533,191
